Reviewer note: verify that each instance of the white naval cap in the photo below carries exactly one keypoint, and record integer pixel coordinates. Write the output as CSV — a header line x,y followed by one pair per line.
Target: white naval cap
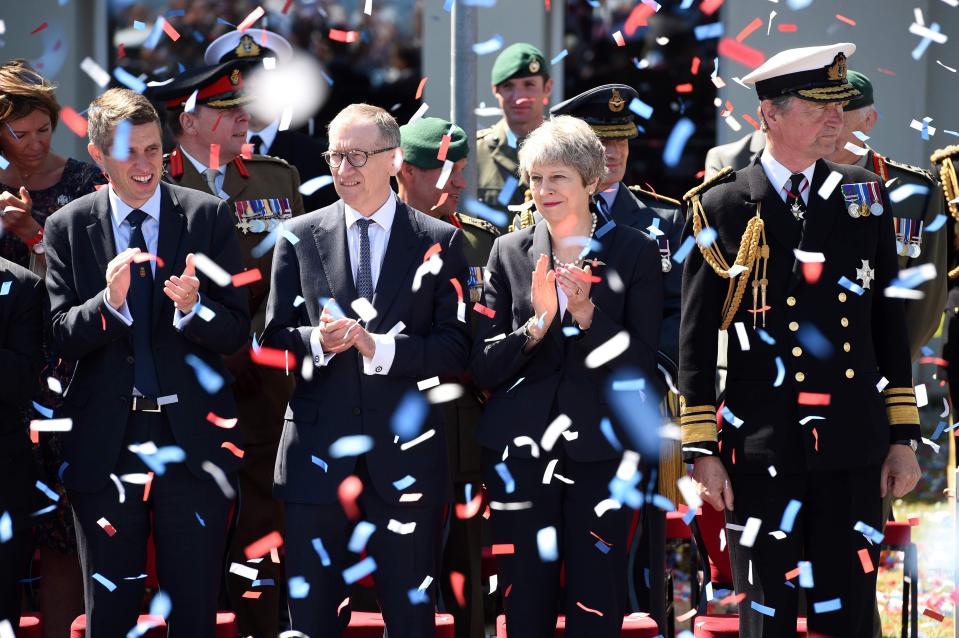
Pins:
x,y
252,44
817,74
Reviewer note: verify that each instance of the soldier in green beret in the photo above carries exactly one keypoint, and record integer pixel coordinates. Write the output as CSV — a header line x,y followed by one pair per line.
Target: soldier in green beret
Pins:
x,y
431,182
522,86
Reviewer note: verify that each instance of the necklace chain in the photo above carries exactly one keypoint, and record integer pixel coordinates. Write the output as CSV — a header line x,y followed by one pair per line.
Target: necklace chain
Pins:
x,y
569,264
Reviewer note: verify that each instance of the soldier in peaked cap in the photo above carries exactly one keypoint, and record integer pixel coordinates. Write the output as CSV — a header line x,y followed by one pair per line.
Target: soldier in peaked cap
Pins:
x,y
418,177
262,192
821,417
521,85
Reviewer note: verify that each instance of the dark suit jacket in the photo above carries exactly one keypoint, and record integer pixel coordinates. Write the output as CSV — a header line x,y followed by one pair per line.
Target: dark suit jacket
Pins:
x,y
526,386
21,325
79,241
340,400
638,211
306,154
738,154
862,336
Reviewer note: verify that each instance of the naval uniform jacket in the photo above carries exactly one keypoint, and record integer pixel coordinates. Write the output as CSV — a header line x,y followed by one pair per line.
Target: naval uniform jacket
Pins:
x,y
803,393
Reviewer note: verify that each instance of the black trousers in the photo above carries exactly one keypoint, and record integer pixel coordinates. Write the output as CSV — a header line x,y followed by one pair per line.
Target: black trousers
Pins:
x,y
187,517
822,534
403,562
595,590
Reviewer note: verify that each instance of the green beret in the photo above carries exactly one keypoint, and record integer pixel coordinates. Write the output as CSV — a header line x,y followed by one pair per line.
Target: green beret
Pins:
x,y
520,60
421,141
862,83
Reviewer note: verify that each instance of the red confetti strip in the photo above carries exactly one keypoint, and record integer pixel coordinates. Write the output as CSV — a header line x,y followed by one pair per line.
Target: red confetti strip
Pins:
x,y
701,174
442,200
262,547
458,287
732,599
478,307
146,488
815,435
638,17
252,594
40,28
886,71
107,527
913,520
419,89
600,538
689,614
214,151
248,21
694,67
286,7
752,121
503,549
866,560
589,609
935,615
444,147
74,121
748,29
684,88
338,35
139,258
103,322
742,53
121,51
219,421
469,510
457,580
792,573
582,276
348,491
247,277
618,38
170,31
935,361
34,437
787,27
273,358
812,270
843,18
435,249
814,398
246,151
232,448
709,7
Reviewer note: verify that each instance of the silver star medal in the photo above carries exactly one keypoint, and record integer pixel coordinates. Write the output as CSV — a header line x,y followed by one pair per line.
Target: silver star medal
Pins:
x,y
866,274
797,211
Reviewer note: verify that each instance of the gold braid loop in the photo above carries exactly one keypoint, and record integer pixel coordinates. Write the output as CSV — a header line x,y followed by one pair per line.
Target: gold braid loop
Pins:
x,y
950,185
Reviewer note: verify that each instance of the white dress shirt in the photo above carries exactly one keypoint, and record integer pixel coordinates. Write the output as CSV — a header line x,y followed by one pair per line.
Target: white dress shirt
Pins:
x,y
779,175
609,195
379,234
268,135
201,167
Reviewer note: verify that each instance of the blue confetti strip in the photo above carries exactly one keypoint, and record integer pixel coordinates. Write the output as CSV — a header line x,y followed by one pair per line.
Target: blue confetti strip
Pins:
x,y
826,606
320,463
731,418
4,162
106,582
266,244
121,141
935,224
506,193
603,547
479,209
663,503
298,587
570,331
640,108
50,494
225,22
762,609
805,574
407,419
706,237
629,385
605,228
329,80
907,190
321,552
765,336
161,605
209,379
129,80
789,515
938,432
175,13
489,46
353,445
199,519
814,341
546,544
416,595
140,26
677,141
606,427
920,49
406,481
448,5
780,372
6,527
44,411
45,510
689,516
158,461
263,582
361,534
709,31
851,286
504,474
680,255
360,570
559,56
869,532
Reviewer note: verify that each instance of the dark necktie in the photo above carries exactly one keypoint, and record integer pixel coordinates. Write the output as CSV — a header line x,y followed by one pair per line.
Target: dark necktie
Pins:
x,y
364,274
794,196
603,209
140,302
258,146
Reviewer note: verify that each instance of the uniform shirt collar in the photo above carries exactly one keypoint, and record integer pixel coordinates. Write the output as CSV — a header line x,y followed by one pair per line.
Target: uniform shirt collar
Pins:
x,y
120,209
779,175
610,194
267,134
198,165
383,217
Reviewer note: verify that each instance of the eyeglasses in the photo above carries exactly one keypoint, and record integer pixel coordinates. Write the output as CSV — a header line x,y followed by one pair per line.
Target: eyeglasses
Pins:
x,y
355,157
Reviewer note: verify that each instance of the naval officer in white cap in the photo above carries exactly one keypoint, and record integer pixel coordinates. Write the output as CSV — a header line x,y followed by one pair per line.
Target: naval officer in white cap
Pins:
x,y
793,256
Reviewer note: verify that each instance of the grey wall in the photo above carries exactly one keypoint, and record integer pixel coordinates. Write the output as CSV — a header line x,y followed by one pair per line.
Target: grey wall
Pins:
x,y
918,88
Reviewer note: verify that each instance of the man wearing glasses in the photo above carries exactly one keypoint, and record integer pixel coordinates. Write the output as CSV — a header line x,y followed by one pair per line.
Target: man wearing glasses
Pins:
x,y
367,294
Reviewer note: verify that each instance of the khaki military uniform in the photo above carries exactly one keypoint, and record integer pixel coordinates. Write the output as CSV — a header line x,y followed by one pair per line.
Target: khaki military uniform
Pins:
x,y
263,192
496,162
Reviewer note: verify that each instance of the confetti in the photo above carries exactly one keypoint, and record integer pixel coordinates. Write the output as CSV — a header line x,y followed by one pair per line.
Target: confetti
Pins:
x,y
546,543
607,351
51,425
829,185
762,609
359,571
709,31
805,574
826,606
744,54
676,143
906,190
248,21
246,277
171,32
6,527
351,445
408,418
559,56
814,398
866,560
312,185
843,18
559,425
748,29
789,515
229,445
321,552
589,609
750,532
489,46
129,80
298,587
640,108
39,29
361,535
96,73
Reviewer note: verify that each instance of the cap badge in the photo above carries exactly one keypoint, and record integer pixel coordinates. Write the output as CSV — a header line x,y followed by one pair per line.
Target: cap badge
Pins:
x,y
616,102
247,48
235,77
836,72
534,66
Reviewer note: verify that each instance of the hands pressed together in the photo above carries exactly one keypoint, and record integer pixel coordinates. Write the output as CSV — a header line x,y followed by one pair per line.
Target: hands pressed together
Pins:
x,y
575,282
340,334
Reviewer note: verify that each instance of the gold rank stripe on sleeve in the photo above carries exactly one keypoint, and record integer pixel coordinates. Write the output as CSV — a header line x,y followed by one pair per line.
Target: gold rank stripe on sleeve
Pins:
x,y
698,423
901,406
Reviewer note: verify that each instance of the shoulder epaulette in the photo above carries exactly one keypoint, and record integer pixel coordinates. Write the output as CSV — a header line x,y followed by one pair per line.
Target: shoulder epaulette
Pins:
x,y
944,153
909,168
267,159
478,223
662,198
174,163
709,183
483,132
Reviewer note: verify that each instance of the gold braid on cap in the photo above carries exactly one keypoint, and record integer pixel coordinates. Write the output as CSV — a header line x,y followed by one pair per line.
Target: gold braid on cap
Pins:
x,y
753,248
950,184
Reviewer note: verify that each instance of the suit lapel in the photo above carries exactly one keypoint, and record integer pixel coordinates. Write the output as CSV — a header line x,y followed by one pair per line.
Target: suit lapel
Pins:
x,y
101,230
191,178
233,183
628,209
168,247
543,246
330,237
403,252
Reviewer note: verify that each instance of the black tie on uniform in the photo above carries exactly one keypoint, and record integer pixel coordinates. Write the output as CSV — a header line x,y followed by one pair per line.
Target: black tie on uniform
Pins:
x,y
794,196
140,302
258,146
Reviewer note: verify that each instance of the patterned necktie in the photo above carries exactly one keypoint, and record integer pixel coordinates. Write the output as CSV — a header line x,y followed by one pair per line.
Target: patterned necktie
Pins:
x,y
257,143
140,302
364,275
211,174
794,196
603,209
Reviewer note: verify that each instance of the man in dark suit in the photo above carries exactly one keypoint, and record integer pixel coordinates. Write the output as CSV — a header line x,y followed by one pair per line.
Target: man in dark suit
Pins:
x,y
21,324
367,294
148,452
736,155
821,418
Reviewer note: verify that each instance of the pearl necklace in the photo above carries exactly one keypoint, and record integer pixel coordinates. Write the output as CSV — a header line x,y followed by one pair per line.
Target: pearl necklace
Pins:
x,y
569,264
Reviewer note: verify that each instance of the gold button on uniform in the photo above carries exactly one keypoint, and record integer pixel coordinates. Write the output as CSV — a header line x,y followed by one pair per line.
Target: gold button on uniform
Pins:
x,y
842,297
794,326
797,351
847,346
844,322
800,377
790,301
850,373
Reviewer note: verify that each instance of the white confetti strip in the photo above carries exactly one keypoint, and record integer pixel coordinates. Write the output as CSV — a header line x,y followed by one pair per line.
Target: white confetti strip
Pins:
x,y
608,351
211,269
829,185
559,425
750,531
426,435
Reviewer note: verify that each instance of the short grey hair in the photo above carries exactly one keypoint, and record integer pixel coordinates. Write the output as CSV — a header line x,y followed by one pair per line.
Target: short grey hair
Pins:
x,y
564,140
781,102
386,123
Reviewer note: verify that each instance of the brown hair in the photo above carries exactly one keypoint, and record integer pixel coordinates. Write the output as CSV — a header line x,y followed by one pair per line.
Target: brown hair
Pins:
x,y
113,107
23,90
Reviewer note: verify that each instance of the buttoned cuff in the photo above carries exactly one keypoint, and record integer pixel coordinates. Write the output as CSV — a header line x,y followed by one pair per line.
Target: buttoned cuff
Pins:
x,y
123,314
180,320
320,358
382,359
